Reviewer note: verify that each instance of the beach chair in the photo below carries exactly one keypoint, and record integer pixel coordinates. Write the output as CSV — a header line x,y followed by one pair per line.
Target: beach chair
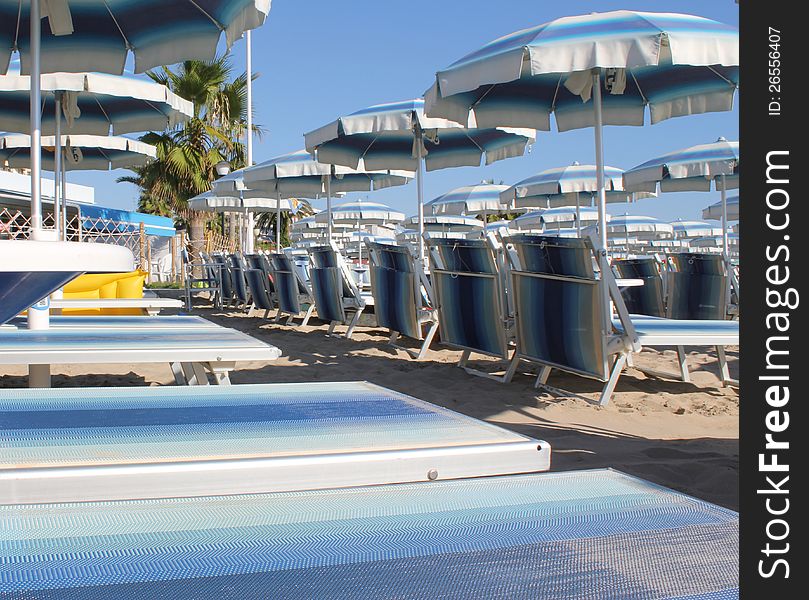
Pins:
x,y
646,299
241,291
291,291
697,286
561,321
225,277
470,300
337,297
401,302
191,351
258,276
202,276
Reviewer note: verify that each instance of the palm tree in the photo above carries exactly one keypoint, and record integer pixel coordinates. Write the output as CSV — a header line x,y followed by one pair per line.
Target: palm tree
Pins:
x,y
265,222
188,153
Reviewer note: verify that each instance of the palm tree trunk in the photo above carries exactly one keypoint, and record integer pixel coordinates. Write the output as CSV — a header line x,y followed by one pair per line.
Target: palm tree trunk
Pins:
x,y
197,240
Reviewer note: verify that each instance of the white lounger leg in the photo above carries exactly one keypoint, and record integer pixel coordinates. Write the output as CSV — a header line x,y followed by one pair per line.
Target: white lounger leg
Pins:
x,y
428,339
609,387
681,360
355,319
221,372
724,371
200,375
332,325
464,358
542,377
512,368
308,314
179,373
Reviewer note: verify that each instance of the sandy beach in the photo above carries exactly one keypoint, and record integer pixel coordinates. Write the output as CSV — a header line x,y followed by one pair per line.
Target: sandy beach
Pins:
x,y
681,435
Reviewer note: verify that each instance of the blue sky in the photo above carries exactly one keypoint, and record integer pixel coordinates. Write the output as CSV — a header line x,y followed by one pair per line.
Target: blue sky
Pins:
x,y
319,59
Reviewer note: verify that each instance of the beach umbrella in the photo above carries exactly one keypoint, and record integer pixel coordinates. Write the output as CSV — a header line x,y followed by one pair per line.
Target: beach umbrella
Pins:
x,y
97,36
694,169
220,203
639,227
82,152
361,213
439,223
590,71
556,218
298,174
565,186
91,103
714,211
479,199
399,136
685,229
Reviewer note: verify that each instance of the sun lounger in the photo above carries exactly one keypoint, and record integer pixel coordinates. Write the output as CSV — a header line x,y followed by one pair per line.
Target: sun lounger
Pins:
x,y
258,275
470,299
151,306
566,536
241,292
646,299
292,292
192,352
226,278
83,322
561,321
401,304
204,275
337,297
112,443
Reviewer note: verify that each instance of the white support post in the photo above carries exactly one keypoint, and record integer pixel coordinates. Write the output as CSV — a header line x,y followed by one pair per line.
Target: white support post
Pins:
x,y
57,163
602,197
420,192
328,205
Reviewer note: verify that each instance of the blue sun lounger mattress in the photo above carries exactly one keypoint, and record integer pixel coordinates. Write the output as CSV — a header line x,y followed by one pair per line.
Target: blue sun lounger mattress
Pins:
x,y
117,443
562,536
120,321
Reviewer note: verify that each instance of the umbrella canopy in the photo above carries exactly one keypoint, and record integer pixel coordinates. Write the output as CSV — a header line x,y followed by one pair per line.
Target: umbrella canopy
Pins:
x,y
714,211
361,212
673,63
639,228
398,135
555,219
435,223
82,152
694,229
223,203
469,200
714,241
92,103
98,35
565,186
691,169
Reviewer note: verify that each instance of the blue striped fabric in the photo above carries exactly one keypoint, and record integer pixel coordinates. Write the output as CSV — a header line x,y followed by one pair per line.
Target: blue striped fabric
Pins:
x,y
154,425
361,212
697,287
286,284
714,211
466,284
566,536
565,186
105,32
328,286
519,79
21,289
382,137
650,326
396,289
121,322
646,299
639,227
684,229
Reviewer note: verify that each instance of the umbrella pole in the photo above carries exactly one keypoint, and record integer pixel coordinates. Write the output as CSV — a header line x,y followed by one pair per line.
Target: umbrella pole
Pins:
x,y
420,192
278,222
64,196
328,208
602,194
724,221
578,217
57,163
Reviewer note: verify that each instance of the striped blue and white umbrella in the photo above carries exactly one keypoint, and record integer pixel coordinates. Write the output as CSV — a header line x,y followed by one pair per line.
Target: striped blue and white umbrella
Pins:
x,y
298,174
694,169
714,211
238,203
572,185
639,227
556,219
684,229
623,60
399,136
360,213
477,199
441,223
82,152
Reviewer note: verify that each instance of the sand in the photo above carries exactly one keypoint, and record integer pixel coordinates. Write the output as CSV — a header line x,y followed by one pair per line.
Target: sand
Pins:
x,y
684,436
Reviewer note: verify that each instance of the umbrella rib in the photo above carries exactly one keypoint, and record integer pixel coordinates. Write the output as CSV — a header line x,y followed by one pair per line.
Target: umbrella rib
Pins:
x,y
17,32
556,93
640,91
204,12
722,77
104,112
121,31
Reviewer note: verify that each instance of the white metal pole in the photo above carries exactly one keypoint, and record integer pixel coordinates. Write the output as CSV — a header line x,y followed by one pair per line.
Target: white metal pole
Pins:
x,y
328,208
420,192
249,69
57,162
602,194
725,253
36,122
278,222
63,183
578,216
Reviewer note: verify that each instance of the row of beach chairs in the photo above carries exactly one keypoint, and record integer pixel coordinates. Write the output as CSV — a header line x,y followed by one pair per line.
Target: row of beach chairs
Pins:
x,y
525,298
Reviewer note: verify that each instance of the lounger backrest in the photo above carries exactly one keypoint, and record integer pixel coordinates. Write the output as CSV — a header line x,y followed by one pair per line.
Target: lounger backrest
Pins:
x,y
559,309
468,295
697,287
646,299
396,288
239,281
286,284
259,289
329,287
227,281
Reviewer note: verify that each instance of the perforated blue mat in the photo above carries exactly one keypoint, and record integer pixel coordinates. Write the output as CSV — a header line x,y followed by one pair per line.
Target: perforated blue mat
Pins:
x,y
562,536
115,426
